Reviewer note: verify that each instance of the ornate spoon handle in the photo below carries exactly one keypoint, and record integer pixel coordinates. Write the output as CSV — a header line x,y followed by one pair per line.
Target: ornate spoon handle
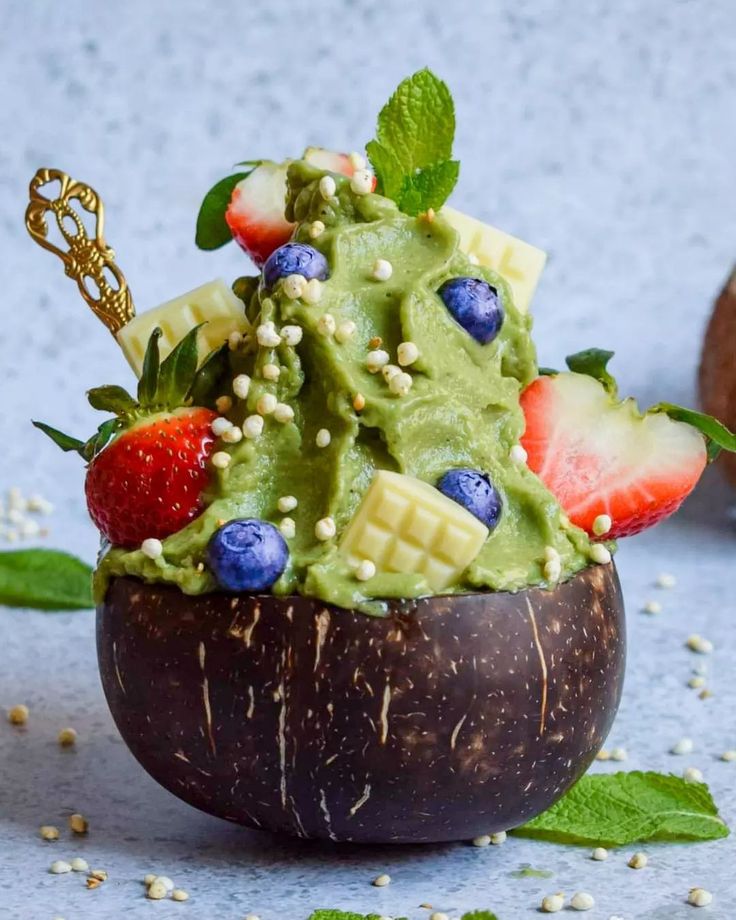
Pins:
x,y
88,260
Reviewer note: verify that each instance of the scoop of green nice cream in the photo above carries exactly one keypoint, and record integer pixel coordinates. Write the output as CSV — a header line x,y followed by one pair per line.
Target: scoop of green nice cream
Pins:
x,y
462,410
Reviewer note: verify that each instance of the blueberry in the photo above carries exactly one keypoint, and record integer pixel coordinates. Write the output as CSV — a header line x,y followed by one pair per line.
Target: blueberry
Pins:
x,y
475,305
247,555
473,490
294,259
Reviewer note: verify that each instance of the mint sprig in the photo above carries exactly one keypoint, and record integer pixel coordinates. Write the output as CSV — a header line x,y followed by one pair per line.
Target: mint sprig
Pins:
x,y
411,154
212,229
617,809
44,579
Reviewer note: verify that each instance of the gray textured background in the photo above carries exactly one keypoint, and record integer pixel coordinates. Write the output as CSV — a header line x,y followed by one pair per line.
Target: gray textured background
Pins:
x,y
603,132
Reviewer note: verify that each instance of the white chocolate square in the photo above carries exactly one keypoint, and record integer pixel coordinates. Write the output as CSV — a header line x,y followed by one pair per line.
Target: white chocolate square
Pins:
x,y
406,525
213,303
519,263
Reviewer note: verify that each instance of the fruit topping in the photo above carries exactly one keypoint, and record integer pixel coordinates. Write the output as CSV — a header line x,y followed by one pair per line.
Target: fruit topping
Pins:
x,y
213,306
406,525
255,214
519,263
327,159
600,456
475,305
148,464
295,259
247,555
473,490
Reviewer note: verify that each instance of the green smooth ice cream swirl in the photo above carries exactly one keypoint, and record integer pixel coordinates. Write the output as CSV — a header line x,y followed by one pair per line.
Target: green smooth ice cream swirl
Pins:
x,y
462,409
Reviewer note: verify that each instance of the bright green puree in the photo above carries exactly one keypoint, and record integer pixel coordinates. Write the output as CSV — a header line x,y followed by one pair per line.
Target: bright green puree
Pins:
x,y
462,411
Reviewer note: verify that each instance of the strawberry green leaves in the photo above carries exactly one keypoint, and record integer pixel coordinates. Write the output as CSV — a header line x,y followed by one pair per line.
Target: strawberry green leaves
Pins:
x,y
412,152
212,229
164,385
44,579
594,363
617,809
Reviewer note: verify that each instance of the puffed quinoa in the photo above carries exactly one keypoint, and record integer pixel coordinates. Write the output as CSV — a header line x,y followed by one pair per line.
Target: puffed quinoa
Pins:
x,y
729,756
165,881
292,335
699,897
638,861
156,890
326,324
253,427
327,187
376,359
518,455
365,570
698,644
152,547
18,715
67,737
361,182
287,503
552,903
400,384
267,336
266,404
78,823
294,286
271,371
59,867
359,402
241,386
317,228
390,370
49,832
323,438
619,754
234,340
380,881
666,580
692,775
79,865
602,524
232,435
600,554
581,900
345,331
312,293
599,854
382,270
683,746
220,459
288,528
357,160
223,403
498,838
407,353
483,841
283,413
652,607
220,425
325,529
178,894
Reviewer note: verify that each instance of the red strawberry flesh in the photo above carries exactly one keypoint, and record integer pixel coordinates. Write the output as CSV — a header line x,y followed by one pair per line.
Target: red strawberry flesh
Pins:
x,y
598,456
149,481
255,214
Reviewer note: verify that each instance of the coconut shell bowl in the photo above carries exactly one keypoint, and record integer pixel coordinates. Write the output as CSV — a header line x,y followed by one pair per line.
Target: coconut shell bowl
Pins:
x,y
451,717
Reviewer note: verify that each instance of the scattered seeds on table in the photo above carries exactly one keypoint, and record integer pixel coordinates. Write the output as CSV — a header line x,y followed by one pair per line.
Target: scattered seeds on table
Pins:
x,y
698,644
683,746
705,694
552,903
699,897
67,737
178,894
438,915
18,715
665,580
599,854
499,838
729,756
99,874
603,754
165,881
638,861
692,775
79,865
581,900
78,824
59,867
380,881
483,841
652,607
156,890
92,882
49,832
147,879
696,682
619,754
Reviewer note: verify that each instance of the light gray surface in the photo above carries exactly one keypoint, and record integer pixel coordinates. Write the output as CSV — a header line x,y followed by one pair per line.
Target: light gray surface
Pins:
x,y
602,132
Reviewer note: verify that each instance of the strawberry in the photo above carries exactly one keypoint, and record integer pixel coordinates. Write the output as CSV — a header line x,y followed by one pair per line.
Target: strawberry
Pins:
x,y
147,467
255,214
598,455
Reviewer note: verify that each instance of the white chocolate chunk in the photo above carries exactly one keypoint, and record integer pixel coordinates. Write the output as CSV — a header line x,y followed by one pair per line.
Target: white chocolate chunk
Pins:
x,y
406,525
519,263
213,304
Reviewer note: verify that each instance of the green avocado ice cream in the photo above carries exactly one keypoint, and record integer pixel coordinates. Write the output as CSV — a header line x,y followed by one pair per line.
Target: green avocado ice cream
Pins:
x,y
462,410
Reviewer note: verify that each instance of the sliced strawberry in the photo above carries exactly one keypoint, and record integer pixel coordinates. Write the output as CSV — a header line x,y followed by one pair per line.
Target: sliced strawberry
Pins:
x,y
255,214
601,456
329,160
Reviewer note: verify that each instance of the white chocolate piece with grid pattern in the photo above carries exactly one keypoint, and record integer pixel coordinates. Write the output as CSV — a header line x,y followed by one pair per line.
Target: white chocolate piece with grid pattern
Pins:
x,y
213,304
407,526
519,263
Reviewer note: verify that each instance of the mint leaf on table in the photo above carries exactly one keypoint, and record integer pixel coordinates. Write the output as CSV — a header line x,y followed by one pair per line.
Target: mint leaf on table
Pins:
x,y
44,579
412,152
479,915
346,915
617,809
212,229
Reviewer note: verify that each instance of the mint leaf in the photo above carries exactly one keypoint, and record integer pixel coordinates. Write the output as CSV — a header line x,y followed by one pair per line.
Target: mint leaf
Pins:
x,y
594,363
716,434
411,155
429,188
479,915
617,809
44,579
212,229
65,441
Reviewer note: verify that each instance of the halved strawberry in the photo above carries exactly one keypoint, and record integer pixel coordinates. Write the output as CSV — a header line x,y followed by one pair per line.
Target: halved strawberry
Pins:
x,y
329,160
255,214
601,456
148,465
